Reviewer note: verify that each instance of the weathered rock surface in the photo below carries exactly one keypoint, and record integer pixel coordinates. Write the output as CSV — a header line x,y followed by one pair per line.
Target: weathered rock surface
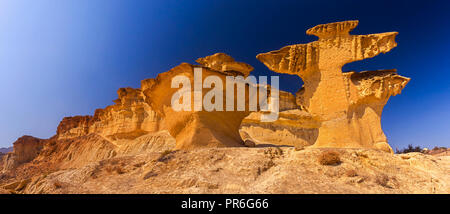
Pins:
x,y
59,154
75,126
442,151
348,105
3,153
250,170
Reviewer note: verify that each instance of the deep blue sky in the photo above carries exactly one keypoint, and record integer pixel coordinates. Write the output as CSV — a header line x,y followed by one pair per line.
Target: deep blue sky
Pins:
x,y
62,58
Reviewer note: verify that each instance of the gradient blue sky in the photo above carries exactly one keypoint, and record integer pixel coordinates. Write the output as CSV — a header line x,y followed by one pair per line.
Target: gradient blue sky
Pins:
x,y
68,57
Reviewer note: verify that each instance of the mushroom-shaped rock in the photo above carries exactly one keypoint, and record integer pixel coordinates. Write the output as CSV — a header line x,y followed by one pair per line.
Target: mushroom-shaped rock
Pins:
x,y
348,105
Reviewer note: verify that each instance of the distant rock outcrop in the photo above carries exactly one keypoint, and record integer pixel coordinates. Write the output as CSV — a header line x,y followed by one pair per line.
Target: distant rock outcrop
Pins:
x,y
348,105
25,149
6,150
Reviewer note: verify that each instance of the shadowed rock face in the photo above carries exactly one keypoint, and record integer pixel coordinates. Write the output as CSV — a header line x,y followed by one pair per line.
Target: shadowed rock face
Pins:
x,y
348,105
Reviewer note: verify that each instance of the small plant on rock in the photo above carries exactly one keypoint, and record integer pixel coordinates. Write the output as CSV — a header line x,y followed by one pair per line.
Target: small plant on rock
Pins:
x,y
329,158
163,157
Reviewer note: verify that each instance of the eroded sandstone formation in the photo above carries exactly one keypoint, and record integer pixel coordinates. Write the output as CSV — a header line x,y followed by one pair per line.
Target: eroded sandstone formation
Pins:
x,y
194,129
347,105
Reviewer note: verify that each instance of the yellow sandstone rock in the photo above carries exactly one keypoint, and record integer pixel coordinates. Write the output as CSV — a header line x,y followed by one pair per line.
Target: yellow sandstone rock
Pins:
x,y
348,105
26,148
294,126
225,63
194,129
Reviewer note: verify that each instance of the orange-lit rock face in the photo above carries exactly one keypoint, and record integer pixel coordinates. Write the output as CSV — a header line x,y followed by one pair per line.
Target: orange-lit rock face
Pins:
x,y
73,126
348,105
27,148
129,117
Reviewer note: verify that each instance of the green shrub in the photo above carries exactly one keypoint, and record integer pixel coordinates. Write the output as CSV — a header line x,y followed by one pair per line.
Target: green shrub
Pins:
x,y
409,149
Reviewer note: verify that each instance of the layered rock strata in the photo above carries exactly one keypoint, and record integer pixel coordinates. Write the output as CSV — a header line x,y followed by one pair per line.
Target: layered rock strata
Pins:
x,y
129,117
293,128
